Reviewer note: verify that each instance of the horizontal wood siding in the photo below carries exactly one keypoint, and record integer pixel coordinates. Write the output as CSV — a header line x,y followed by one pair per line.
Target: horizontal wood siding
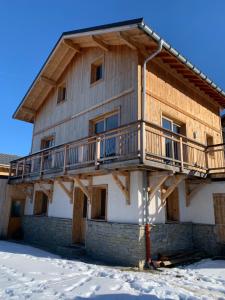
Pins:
x,y
70,120
170,95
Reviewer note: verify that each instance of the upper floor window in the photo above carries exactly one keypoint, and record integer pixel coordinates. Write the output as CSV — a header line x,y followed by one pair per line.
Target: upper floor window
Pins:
x,y
47,142
61,93
97,70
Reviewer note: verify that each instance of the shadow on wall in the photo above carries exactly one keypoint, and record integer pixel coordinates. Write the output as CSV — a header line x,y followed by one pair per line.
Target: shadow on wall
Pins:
x,y
121,297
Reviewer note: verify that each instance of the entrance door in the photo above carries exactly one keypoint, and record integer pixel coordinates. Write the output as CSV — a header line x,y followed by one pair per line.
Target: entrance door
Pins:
x,y
219,211
79,216
15,222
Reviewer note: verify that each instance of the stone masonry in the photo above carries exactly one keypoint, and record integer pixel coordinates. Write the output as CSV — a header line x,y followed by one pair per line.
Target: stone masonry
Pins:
x,y
49,232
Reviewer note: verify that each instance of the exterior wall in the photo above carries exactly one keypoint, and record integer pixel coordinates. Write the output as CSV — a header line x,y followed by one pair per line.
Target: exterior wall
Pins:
x,y
117,209
47,231
3,204
170,95
116,243
118,89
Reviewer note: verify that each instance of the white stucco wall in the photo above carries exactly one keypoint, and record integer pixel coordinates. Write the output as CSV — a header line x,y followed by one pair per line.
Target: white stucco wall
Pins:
x,y
117,208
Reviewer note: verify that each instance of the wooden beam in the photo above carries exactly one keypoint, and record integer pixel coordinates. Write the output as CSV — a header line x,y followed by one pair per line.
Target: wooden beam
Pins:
x,y
71,45
154,189
69,192
82,186
47,192
124,188
190,192
127,41
177,180
100,43
48,81
28,110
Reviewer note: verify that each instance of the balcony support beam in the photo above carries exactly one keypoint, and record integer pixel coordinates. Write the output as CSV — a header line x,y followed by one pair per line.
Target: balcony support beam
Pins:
x,y
69,192
125,188
171,188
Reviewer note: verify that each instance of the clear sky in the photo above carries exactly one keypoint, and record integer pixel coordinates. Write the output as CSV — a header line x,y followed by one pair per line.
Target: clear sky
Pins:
x,y
29,29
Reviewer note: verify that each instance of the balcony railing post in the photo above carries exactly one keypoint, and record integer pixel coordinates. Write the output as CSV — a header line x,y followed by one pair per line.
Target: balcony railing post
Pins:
x,y
143,141
42,163
181,155
65,158
23,171
98,151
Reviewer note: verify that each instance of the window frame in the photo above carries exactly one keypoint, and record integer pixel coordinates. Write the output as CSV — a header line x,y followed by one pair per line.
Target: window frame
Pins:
x,y
59,88
105,187
47,138
93,67
36,195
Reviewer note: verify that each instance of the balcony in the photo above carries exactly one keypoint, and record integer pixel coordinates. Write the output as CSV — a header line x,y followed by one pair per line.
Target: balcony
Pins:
x,y
139,144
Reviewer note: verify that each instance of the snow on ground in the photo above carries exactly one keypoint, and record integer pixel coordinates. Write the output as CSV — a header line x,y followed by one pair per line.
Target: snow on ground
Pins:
x,y
30,273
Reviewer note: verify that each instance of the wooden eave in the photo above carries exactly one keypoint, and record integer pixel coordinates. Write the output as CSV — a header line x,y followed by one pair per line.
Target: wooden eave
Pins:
x,y
72,43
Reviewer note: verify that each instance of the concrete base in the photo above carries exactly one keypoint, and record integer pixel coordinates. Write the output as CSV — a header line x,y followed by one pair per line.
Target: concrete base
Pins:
x,y
49,232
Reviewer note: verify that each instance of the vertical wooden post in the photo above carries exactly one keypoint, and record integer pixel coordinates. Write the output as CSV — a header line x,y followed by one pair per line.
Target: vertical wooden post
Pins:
x,y
143,141
181,155
97,151
23,171
41,164
65,158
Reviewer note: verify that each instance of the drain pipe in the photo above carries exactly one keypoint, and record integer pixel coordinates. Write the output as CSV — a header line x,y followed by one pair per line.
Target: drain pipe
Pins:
x,y
149,262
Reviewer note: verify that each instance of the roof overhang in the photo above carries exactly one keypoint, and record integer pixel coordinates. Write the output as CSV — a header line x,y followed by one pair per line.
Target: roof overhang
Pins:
x,y
135,34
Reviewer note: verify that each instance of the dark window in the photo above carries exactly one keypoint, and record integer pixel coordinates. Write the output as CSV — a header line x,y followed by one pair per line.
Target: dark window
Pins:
x,y
98,205
61,94
16,209
41,204
47,142
96,71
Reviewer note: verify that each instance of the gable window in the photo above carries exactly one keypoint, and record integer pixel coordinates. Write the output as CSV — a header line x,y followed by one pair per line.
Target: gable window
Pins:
x,y
97,70
98,205
106,123
61,97
40,204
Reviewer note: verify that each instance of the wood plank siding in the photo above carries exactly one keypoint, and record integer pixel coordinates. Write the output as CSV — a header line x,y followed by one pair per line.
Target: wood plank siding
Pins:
x,y
118,90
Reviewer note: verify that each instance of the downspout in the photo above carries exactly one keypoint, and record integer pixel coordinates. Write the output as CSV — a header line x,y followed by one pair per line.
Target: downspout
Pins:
x,y
149,262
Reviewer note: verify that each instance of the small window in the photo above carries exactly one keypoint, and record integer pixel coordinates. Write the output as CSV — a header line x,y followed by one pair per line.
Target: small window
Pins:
x,y
61,93
98,206
97,71
47,142
40,204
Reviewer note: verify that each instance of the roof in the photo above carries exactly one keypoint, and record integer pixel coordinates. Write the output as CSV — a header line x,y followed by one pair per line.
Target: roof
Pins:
x,y
133,33
5,159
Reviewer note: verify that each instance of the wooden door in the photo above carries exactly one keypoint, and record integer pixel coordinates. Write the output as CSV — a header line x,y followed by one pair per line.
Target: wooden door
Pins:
x,y
15,219
219,211
172,206
79,216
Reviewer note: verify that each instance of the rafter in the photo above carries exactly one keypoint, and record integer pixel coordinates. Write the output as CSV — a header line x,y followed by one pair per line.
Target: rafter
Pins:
x,y
71,45
127,41
100,43
28,110
48,81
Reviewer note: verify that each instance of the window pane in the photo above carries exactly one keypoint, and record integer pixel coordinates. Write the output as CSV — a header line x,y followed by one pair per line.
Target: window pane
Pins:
x,y
112,122
99,72
176,128
167,124
99,127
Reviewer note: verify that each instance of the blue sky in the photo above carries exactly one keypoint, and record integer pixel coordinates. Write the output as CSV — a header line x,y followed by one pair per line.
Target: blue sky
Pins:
x,y
29,30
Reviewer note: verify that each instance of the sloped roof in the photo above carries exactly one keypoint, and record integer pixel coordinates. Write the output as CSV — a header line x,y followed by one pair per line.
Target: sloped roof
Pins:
x,y
5,159
133,33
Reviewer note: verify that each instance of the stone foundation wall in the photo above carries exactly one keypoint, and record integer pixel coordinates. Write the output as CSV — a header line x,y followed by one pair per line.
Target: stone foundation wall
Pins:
x,y
116,243
205,238
168,238
49,232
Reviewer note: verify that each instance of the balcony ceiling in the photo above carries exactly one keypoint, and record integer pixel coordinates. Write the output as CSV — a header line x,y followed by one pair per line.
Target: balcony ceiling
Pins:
x,y
134,35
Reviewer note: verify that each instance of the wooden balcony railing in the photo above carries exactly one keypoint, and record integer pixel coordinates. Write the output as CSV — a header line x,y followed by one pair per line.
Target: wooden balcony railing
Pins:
x,y
140,140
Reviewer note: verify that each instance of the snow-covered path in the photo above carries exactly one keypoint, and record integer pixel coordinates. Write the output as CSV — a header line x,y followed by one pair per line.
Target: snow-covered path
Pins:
x,y
30,273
